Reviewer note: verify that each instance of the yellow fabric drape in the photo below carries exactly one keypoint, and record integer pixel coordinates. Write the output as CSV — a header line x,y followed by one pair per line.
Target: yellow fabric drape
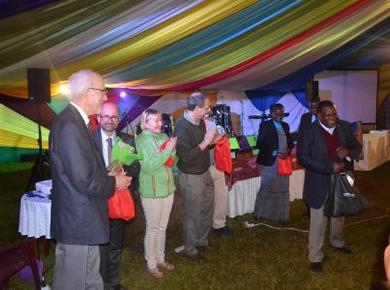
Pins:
x,y
19,129
9,139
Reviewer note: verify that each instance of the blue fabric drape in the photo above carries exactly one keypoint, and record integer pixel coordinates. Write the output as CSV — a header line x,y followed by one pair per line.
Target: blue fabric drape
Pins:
x,y
262,100
300,95
11,8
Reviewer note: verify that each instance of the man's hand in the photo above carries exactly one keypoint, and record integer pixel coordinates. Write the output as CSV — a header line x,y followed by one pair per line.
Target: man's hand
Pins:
x,y
218,138
342,152
338,167
122,181
208,138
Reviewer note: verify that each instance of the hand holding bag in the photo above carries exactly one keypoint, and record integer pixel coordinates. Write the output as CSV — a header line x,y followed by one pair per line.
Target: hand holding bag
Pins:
x,y
121,205
344,198
285,166
170,161
222,156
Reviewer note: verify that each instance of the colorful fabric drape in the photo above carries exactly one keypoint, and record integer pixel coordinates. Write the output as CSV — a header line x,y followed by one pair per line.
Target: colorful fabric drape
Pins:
x,y
150,48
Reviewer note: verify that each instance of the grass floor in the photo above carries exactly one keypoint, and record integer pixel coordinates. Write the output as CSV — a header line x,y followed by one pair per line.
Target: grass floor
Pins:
x,y
254,258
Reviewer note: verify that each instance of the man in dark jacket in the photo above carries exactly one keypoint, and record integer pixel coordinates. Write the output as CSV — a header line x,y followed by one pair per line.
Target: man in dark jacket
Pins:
x,y
308,119
81,186
110,253
325,148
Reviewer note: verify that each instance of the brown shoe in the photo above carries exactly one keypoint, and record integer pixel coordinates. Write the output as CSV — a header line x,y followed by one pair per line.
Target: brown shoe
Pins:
x,y
156,273
166,266
196,258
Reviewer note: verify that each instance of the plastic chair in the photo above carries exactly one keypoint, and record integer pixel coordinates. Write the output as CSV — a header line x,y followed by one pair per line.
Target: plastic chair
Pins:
x,y
15,257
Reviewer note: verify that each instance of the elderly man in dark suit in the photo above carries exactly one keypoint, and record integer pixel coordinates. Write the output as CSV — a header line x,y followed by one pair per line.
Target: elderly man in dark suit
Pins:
x,y
81,186
105,138
325,148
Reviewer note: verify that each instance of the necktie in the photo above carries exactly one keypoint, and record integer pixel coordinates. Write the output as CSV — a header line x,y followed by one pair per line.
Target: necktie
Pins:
x,y
109,150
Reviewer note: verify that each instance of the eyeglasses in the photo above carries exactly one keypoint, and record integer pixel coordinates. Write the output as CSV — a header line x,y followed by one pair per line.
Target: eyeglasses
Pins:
x,y
107,117
104,91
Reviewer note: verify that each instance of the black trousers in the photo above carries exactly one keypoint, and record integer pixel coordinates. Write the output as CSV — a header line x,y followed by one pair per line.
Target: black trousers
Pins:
x,y
110,254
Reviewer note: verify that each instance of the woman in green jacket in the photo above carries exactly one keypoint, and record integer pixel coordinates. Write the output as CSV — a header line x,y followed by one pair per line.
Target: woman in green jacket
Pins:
x,y
156,187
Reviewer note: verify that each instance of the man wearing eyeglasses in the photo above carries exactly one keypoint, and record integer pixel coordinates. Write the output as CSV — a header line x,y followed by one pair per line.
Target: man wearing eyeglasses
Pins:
x,y
81,187
110,253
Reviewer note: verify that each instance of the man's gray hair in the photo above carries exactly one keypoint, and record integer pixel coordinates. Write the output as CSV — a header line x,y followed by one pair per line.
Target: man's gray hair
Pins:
x,y
196,99
80,81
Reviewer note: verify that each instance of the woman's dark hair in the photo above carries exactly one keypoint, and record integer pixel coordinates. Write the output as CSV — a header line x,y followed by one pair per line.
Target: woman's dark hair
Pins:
x,y
275,107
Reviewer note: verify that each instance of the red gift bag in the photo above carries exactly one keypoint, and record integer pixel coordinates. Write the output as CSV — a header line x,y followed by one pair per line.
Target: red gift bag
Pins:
x,y
222,156
285,166
170,161
121,205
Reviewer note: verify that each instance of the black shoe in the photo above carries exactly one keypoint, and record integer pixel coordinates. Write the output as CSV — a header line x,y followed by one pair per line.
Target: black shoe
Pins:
x,y
344,249
316,267
225,231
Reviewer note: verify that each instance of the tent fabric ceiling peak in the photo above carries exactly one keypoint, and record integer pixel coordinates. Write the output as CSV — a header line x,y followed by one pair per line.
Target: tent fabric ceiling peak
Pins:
x,y
159,50
176,45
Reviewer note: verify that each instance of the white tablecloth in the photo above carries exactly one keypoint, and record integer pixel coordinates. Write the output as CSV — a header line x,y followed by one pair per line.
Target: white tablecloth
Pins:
x,y
242,196
34,216
376,150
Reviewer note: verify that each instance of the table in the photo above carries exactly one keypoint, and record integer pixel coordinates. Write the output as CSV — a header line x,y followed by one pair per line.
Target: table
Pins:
x,y
35,216
376,151
243,191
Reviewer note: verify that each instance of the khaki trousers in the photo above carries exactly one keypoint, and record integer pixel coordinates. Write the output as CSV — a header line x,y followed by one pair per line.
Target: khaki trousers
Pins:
x,y
318,222
221,197
157,211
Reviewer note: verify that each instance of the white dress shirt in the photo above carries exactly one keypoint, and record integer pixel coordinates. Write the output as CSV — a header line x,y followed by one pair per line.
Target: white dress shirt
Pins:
x,y
82,113
329,130
105,145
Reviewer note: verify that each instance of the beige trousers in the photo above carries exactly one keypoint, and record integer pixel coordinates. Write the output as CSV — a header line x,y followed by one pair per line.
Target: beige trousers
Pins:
x,y
220,200
157,211
318,222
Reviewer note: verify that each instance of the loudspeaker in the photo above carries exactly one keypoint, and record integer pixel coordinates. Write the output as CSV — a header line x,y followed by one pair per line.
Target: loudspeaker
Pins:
x,y
312,90
38,83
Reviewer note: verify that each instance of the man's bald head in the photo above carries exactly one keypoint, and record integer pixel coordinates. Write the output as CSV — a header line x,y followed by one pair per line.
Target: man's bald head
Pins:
x,y
109,118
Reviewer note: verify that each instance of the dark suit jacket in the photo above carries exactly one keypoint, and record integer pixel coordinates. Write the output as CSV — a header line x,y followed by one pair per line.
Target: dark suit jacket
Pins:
x,y
313,155
81,185
304,123
132,170
268,142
